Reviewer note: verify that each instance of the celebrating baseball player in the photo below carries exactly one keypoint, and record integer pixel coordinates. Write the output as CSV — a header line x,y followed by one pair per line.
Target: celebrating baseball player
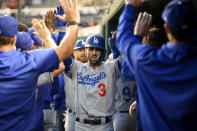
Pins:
x,y
94,84
79,55
20,71
165,77
125,94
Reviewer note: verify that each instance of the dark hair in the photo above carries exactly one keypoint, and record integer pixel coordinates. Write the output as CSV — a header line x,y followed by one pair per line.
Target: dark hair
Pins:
x,y
186,35
4,40
22,27
183,35
155,38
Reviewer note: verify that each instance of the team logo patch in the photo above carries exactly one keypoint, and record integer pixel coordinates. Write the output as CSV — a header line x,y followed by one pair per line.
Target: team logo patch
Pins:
x,y
83,43
95,40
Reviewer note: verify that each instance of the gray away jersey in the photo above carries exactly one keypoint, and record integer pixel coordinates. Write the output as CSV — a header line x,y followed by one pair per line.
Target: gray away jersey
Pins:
x,y
70,92
95,89
126,94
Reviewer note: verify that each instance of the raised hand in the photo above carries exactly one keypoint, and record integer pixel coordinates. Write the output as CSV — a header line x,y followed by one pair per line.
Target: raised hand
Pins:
x,y
70,10
49,20
60,12
143,24
42,31
112,45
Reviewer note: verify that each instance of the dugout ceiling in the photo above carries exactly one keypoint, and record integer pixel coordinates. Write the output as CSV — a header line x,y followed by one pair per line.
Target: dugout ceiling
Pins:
x,y
111,17
110,20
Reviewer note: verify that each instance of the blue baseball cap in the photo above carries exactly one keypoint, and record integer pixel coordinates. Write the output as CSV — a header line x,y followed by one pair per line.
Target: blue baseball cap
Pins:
x,y
80,44
95,41
179,15
35,38
24,41
8,26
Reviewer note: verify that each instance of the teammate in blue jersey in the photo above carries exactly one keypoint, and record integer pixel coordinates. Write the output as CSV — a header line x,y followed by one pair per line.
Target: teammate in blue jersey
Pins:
x,y
20,71
24,41
165,77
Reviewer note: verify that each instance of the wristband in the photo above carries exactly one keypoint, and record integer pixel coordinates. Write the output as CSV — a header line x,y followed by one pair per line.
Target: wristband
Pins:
x,y
72,23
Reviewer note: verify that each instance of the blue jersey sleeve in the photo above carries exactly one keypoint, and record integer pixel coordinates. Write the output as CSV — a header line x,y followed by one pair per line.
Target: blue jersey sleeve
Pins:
x,y
46,60
58,92
67,63
128,43
125,71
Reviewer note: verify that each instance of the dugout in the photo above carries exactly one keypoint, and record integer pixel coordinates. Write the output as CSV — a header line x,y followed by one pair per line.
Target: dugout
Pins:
x,y
110,20
111,17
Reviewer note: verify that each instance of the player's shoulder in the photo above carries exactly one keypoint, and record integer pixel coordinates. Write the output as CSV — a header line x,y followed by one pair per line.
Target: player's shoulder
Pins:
x,y
126,81
77,62
24,56
109,63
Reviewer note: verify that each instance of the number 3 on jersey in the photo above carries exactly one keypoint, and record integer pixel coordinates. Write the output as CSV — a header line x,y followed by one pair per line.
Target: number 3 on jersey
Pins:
x,y
102,88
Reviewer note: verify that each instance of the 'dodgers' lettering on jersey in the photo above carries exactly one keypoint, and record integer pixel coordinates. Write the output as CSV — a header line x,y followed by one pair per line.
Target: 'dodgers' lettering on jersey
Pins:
x,y
87,80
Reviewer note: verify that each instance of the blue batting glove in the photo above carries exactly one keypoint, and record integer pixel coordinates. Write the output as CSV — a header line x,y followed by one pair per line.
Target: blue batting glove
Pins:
x,y
112,45
101,57
60,11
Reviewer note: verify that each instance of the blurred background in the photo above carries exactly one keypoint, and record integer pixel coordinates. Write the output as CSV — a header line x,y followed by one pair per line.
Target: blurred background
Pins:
x,y
25,10
97,16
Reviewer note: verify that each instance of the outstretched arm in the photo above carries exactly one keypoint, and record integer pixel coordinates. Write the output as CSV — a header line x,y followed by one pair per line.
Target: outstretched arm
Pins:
x,y
128,43
64,50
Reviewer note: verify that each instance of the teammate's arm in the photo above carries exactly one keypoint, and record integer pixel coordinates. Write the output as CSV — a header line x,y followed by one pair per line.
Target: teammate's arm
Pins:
x,y
112,45
45,78
64,50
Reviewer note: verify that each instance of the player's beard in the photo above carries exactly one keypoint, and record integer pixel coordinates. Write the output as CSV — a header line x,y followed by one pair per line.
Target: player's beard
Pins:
x,y
83,59
93,60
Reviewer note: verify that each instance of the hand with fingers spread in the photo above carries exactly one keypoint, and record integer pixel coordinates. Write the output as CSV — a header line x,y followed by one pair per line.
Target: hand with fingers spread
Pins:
x,y
143,24
70,10
49,20
42,31
65,49
60,12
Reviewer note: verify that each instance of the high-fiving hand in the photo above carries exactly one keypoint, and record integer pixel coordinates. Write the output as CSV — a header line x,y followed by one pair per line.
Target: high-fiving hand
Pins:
x,y
143,24
40,29
70,10
49,20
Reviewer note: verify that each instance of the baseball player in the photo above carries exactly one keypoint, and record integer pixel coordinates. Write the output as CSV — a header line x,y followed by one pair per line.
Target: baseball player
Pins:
x,y
24,41
125,95
94,84
79,51
20,71
166,77
79,55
